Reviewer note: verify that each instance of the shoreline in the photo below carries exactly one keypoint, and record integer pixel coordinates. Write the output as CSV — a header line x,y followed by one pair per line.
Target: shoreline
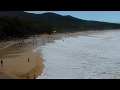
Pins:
x,y
15,56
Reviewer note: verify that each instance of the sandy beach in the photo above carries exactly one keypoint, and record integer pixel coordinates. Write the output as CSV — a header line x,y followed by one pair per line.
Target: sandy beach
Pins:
x,y
15,60
15,56
19,67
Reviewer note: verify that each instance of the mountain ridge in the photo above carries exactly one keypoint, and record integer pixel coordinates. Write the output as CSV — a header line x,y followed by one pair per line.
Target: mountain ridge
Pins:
x,y
61,22
47,15
22,23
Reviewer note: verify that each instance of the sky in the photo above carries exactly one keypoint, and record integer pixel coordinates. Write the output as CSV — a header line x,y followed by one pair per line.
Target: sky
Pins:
x,y
105,16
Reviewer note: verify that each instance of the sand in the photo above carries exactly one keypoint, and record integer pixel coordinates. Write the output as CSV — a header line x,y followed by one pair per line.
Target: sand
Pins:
x,y
19,67
15,61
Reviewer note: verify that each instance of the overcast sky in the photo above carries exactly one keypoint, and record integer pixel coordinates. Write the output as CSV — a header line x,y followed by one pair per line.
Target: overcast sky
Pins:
x,y
106,16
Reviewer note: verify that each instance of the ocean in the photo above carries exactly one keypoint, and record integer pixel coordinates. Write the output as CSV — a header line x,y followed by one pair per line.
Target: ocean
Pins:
x,y
91,56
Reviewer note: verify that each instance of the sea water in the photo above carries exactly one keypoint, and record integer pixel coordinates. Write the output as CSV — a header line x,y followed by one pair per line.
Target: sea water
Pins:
x,y
92,56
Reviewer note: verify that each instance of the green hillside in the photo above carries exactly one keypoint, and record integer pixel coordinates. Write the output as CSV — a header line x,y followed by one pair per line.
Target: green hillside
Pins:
x,y
20,24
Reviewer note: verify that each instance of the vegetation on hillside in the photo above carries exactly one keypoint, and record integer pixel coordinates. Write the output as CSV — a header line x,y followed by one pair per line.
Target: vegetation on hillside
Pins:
x,y
15,27
20,24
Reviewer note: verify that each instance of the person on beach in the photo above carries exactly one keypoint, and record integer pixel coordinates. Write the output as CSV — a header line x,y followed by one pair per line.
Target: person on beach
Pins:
x,y
33,42
28,60
48,37
43,42
34,76
2,62
36,41
27,76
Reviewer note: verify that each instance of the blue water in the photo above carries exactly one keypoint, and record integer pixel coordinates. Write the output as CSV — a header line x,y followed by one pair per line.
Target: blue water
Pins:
x,y
92,56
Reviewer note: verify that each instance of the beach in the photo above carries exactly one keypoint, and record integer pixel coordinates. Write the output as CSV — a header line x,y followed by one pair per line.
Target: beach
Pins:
x,y
15,57
16,64
21,61
19,67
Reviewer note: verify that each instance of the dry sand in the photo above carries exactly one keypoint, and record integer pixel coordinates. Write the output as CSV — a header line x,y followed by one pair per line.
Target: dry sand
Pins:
x,y
19,67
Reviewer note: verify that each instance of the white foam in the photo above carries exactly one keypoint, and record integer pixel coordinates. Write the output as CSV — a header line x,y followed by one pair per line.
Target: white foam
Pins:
x,y
94,56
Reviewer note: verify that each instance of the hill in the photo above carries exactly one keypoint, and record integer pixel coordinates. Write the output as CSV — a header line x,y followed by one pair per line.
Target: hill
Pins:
x,y
61,22
31,23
